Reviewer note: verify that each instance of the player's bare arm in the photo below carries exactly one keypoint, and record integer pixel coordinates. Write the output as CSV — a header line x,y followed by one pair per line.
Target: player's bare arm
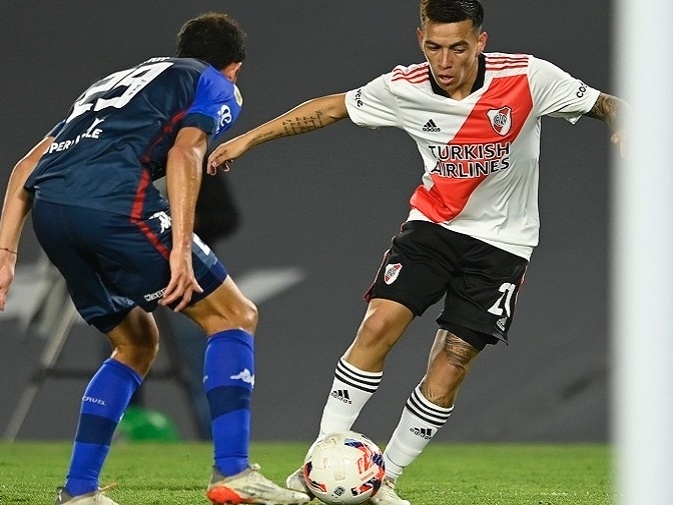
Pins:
x,y
608,108
14,212
309,116
183,180
612,110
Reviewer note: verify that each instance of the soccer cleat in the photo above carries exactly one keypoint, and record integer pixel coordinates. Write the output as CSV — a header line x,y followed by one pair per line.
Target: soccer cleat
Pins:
x,y
386,494
297,482
93,498
250,486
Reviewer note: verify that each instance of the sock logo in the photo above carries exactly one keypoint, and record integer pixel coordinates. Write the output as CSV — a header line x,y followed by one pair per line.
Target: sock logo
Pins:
x,y
97,401
425,433
245,376
342,395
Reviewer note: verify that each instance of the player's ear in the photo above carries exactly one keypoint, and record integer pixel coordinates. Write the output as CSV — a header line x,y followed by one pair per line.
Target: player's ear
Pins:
x,y
231,71
481,42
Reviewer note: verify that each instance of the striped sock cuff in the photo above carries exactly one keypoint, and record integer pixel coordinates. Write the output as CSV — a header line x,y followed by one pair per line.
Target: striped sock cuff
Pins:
x,y
422,408
359,379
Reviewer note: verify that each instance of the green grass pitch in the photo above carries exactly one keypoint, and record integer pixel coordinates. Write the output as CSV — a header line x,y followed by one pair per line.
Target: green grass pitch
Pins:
x,y
451,474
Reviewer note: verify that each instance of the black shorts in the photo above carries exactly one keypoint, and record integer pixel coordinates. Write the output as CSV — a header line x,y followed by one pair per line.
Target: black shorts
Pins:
x,y
112,264
479,282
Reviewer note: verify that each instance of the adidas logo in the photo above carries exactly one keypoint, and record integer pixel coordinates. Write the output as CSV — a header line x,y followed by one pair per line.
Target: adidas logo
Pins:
x,y
342,395
430,126
425,433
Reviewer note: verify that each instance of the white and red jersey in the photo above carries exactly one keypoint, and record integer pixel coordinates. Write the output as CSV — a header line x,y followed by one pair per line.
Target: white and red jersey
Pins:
x,y
480,153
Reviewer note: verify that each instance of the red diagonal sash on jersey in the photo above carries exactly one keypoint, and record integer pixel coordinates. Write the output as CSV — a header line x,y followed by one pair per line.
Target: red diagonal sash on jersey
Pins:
x,y
137,212
449,195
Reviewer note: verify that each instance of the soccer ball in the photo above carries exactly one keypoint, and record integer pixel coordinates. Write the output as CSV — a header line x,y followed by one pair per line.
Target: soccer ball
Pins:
x,y
344,468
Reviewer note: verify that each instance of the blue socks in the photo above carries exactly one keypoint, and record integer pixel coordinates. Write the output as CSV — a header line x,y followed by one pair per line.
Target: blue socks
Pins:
x,y
104,402
229,377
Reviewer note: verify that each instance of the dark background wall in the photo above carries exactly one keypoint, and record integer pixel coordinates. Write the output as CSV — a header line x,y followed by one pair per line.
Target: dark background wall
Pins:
x,y
327,203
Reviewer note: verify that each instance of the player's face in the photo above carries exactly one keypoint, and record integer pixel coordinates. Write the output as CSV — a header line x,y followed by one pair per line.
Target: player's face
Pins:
x,y
452,50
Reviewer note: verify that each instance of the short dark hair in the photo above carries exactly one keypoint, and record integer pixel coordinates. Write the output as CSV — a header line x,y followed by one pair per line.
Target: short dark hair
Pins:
x,y
212,37
452,11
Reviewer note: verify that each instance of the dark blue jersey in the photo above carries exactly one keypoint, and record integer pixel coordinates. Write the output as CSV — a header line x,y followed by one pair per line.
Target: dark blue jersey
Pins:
x,y
116,137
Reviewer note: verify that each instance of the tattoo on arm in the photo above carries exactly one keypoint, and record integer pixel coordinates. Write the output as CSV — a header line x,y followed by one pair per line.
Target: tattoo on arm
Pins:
x,y
304,124
293,126
610,109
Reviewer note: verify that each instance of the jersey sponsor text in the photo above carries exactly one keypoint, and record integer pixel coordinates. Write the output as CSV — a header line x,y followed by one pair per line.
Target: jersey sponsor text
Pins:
x,y
465,161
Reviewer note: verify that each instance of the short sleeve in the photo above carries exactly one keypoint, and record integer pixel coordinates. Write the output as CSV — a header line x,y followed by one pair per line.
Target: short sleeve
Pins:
x,y
373,105
556,93
217,104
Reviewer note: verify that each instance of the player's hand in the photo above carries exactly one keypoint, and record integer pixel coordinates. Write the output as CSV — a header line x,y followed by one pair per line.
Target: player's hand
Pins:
x,y
6,278
225,154
620,139
183,284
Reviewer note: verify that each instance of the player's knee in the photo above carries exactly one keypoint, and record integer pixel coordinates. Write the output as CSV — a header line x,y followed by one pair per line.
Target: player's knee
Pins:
x,y
373,330
241,315
140,356
247,316
148,354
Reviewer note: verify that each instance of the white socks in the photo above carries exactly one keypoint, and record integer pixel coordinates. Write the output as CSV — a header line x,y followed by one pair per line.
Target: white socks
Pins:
x,y
351,390
419,422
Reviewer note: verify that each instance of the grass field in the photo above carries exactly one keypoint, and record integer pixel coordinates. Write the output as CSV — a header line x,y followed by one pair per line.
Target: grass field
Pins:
x,y
451,474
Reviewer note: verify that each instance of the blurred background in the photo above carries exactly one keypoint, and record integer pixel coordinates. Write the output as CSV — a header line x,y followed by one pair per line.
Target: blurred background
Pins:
x,y
318,211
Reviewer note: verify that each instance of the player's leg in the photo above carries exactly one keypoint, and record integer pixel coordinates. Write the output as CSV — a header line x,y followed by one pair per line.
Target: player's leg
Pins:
x,y
230,319
132,333
428,408
134,342
359,372
482,298
431,403
404,287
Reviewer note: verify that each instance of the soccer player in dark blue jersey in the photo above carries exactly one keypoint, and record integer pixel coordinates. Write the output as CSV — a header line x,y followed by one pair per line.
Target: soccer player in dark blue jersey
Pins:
x,y
124,250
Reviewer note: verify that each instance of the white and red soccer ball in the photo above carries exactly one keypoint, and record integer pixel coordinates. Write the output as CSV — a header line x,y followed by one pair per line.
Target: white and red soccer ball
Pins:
x,y
344,468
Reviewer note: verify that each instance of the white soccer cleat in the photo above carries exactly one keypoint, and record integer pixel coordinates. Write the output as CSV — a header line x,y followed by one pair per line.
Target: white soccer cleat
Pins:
x,y
386,494
297,482
94,498
250,486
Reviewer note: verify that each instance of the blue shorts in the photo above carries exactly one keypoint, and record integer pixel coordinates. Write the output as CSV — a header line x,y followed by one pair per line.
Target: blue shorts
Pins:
x,y
111,263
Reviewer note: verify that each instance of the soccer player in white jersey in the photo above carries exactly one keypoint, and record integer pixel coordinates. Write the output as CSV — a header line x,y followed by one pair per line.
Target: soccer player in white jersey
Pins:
x,y
473,222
